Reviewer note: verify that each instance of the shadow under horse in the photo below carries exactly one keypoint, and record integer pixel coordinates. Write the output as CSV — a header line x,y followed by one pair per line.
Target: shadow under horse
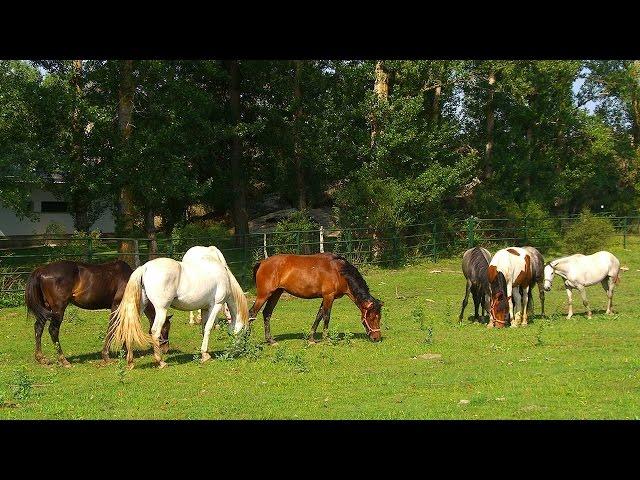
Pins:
x,y
52,287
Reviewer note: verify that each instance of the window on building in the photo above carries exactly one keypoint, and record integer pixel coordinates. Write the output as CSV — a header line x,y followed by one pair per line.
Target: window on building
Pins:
x,y
54,207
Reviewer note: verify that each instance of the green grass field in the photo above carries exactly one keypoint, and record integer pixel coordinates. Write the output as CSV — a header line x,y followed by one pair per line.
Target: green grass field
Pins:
x,y
552,369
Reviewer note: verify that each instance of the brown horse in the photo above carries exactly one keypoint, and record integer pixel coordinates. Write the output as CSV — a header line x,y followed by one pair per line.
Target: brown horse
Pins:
x,y
50,288
322,275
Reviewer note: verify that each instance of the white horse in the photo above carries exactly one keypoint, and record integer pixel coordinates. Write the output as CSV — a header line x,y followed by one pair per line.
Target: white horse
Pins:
x,y
580,271
509,267
197,254
182,285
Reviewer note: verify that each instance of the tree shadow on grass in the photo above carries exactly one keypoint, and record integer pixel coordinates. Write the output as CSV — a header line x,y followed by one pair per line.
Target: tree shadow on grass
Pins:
x,y
97,356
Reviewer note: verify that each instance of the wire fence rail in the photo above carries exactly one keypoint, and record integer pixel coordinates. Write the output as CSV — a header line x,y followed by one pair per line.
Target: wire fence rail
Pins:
x,y
388,248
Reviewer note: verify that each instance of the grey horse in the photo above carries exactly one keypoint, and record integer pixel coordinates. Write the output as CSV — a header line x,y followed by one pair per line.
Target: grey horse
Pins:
x,y
475,262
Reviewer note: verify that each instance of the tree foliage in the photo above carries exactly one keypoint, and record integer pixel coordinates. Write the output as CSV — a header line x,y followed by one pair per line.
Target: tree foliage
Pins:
x,y
447,138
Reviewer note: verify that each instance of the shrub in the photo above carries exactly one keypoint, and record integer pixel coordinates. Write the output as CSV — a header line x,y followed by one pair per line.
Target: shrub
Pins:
x,y
541,231
286,233
185,237
588,234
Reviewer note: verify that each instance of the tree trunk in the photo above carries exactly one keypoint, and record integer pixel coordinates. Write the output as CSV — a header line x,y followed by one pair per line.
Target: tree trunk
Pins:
x,y
125,111
297,147
150,228
488,167
79,195
240,217
635,104
435,106
381,89
527,178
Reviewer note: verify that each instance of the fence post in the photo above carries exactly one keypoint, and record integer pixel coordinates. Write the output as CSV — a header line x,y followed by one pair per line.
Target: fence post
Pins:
x,y
264,244
435,244
321,239
89,249
624,233
395,248
470,232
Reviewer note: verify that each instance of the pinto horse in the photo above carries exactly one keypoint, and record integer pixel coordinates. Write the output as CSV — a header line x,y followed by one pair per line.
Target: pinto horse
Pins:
x,y
52,287
475,262
510,267
323,275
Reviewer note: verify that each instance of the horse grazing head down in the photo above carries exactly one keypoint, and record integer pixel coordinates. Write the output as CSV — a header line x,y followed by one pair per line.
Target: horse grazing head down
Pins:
x,y
499,310
371,315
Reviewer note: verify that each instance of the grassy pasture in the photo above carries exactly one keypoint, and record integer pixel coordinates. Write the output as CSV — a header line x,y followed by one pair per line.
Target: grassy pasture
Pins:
x,y
552,369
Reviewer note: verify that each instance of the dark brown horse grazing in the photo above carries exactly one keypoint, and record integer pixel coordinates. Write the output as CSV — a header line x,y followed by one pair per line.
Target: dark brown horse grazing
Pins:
x,y
323,275
50,288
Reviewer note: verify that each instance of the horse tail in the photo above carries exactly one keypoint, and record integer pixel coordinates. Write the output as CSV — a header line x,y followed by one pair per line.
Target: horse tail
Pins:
x,y
126,327
255,270
617,279
34,299
238,297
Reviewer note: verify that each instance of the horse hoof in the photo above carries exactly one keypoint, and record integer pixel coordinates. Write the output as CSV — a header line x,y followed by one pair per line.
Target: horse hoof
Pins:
x,y
65,363
43,361
165,348
162,364
273,343
130,366
489,325
205,357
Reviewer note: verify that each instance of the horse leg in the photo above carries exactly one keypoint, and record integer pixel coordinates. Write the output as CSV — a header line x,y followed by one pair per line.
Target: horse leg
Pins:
x,y
316,322
147,307
39,328
476,303
156,330
510,293
326,303
583,294
465,300
54,331
525,304
608,284
210,315
570,295
268,310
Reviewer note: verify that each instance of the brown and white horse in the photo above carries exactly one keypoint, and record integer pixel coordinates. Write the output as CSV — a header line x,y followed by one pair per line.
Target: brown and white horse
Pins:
x,y
509,268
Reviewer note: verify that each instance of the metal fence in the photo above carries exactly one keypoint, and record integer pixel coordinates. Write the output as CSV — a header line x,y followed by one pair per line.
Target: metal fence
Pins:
x,y
387,248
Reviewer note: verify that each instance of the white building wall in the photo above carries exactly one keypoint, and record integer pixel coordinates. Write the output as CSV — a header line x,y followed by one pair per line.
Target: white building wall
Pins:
x,y
10,224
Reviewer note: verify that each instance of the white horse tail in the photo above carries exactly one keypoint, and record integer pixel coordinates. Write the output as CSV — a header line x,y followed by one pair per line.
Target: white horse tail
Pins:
x,y
126,326
238,298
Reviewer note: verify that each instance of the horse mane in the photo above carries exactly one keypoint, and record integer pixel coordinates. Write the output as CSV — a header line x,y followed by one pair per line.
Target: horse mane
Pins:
x,y
357,283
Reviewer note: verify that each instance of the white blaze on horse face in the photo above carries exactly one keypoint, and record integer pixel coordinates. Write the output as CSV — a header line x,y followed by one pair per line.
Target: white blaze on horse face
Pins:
x,y
548,277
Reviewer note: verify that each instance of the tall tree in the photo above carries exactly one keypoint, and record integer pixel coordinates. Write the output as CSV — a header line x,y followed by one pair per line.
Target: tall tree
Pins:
x,y
297,146
125,117
240,217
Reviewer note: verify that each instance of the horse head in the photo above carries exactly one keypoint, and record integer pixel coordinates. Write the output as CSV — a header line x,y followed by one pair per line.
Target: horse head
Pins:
x,y
499,309
371,314
548,276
